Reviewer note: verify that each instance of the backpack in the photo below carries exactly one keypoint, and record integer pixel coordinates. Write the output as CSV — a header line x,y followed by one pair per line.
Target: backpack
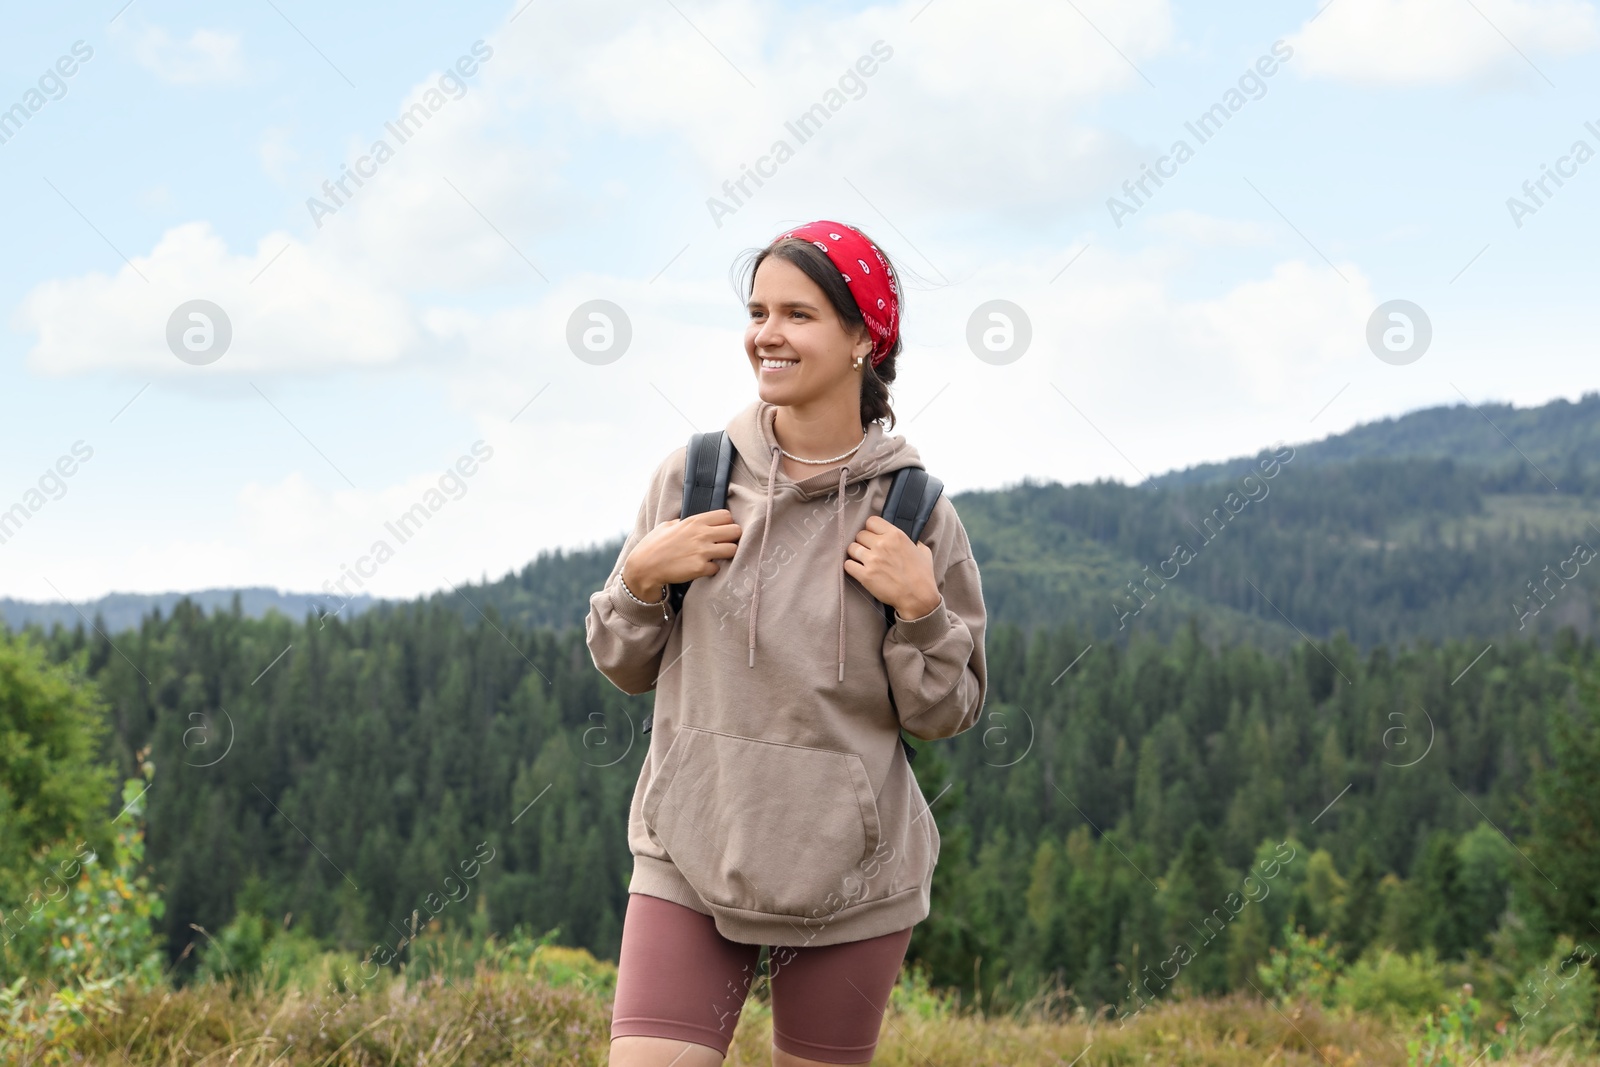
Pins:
x,y
912,496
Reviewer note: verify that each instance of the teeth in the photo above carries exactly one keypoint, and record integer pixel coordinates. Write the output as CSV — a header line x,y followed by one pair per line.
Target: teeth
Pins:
x,y
778,362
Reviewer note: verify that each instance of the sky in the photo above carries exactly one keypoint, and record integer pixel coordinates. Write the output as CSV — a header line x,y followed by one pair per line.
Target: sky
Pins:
x,y
276,273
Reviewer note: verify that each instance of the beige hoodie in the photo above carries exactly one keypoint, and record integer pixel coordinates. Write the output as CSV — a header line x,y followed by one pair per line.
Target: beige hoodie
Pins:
x,y
776,796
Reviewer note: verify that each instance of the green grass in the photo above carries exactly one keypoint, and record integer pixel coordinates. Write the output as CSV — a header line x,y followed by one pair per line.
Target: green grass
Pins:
x,y
555,1009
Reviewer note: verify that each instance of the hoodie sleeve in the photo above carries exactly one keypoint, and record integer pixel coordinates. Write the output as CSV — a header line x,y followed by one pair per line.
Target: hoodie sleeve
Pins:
x,y
936,665
626,638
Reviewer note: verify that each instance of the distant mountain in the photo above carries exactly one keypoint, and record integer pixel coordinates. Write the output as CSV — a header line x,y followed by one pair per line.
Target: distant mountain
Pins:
x,y
1446,522
1555,437
552,590
122,611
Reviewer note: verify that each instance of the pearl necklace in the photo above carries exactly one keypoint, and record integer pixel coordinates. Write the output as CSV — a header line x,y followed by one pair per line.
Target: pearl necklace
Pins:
x,y
835,459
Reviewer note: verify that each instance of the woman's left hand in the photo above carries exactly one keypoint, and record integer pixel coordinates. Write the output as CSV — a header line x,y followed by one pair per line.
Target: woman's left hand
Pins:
x,y
893,568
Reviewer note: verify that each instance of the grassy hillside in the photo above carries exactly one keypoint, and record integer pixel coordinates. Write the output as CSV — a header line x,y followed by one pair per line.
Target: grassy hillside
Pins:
x,y
555,1008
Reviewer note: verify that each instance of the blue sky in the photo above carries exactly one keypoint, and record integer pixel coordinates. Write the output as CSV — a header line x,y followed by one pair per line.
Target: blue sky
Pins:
x,y
375,345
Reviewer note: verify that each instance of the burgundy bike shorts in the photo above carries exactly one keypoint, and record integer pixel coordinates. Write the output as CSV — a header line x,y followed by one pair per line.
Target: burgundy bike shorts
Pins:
x,y
679,978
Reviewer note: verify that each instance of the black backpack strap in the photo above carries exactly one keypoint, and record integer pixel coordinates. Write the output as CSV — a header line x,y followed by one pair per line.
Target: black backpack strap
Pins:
x,y
706,463
912,497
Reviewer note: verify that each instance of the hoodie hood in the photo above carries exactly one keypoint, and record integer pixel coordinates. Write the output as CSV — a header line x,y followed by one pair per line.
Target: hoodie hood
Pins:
x,y
755,439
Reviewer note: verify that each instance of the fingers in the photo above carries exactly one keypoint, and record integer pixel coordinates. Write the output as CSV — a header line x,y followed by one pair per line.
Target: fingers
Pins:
x,y
720,523
879,528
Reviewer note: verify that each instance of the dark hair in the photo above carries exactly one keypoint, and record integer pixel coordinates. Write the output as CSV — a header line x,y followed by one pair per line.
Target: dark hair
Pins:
x,y
875,381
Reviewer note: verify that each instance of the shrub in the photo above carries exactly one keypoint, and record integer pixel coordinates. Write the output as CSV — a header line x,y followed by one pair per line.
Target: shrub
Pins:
x,y
912,995
1560,1000
251,953
556,965
233,955
1305,967
53,790
1450,1036
101,926
560,966
1393,984
38,1029
82,949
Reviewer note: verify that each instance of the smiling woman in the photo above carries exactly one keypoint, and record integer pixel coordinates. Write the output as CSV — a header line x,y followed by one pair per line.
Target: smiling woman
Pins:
x,y
777,805
800,302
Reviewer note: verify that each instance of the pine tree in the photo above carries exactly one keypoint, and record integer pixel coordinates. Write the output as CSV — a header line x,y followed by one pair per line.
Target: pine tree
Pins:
x,y
1565,875
1362,906
1439,885
1196,913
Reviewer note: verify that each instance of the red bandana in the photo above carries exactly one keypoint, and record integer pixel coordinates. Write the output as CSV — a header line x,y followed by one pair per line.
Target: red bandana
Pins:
x,y
866,272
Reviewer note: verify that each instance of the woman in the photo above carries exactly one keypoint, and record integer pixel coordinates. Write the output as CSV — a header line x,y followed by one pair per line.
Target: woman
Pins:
x,y
776,806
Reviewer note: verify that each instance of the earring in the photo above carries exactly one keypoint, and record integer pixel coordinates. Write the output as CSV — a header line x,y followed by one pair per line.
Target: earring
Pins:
x,y
857,363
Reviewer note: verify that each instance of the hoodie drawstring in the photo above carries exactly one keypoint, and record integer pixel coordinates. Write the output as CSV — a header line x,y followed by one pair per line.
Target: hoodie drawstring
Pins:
x,y
839,511
755,599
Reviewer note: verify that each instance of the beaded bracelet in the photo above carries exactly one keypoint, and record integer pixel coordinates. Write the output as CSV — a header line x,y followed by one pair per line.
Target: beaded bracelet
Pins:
x,y
647,603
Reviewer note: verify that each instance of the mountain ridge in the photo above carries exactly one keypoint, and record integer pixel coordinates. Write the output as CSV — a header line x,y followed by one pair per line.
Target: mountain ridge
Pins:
x,y
1441,518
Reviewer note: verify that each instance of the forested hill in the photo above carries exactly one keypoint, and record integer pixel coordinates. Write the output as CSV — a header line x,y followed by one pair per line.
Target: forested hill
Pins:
x,y
1429,526
116,612
1439,796
335,777
1561,438
1437,524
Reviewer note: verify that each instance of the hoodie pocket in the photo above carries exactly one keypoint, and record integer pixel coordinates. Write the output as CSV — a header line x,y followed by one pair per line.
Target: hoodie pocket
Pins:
x,y
760,825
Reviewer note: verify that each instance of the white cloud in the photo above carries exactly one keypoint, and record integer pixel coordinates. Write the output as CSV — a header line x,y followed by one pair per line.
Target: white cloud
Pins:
x,y
1401,42
208,57
1278,332
292,308
1009,81
455,207
462,205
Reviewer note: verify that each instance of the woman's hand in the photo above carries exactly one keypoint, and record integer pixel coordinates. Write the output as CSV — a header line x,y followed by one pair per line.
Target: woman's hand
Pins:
x,y
680,550
893,568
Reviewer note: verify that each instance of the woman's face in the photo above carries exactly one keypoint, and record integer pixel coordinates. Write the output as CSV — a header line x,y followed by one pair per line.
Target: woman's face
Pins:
x,y
792,321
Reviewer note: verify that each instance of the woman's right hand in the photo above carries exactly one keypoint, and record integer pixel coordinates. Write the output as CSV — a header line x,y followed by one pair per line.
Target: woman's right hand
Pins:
x,y
680,550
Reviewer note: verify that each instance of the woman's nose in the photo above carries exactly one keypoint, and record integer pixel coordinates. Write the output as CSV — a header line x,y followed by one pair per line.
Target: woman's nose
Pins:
x,y
768,334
